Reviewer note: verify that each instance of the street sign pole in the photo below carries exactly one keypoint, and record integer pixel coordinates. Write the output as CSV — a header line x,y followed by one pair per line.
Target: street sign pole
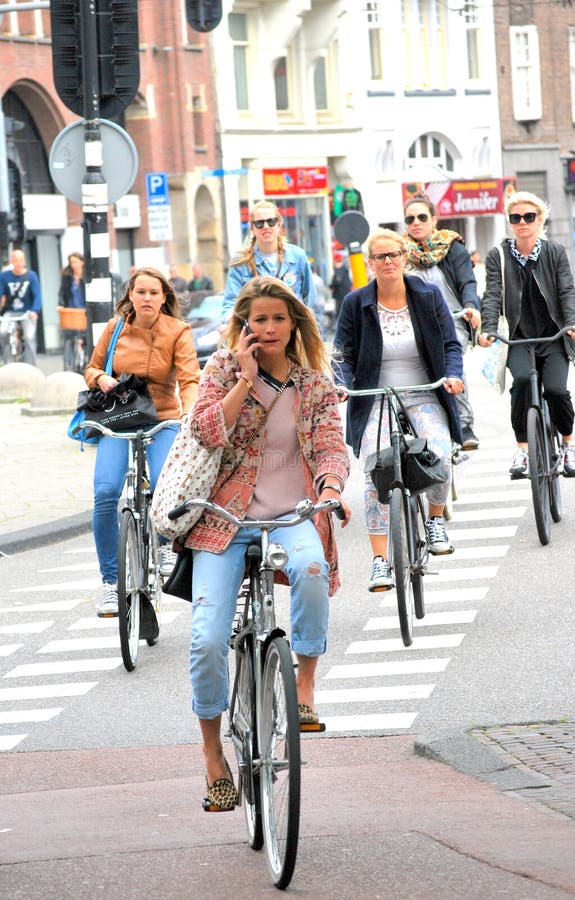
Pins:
x,y
94,187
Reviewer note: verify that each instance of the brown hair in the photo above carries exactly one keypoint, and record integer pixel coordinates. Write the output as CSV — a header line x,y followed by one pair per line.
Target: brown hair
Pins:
x,y
170,305
420,198
247,255
306,346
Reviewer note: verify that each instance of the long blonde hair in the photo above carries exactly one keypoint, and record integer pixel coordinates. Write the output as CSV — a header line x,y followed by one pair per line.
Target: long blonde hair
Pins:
x,y
247,255
306,346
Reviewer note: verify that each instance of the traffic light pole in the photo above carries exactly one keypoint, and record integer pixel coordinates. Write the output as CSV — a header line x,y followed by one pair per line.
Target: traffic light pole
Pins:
x,y
94,187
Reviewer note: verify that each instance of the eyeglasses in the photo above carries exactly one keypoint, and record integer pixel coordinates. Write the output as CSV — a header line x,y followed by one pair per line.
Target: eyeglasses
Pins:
x,y
393,256
423,217
529,218
259,223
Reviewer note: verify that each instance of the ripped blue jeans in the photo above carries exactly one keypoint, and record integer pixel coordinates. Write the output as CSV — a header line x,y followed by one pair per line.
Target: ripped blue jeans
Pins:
x,y
216,582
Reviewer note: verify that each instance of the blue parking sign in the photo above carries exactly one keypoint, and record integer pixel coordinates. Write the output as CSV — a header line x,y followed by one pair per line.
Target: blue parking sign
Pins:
x,y
157,189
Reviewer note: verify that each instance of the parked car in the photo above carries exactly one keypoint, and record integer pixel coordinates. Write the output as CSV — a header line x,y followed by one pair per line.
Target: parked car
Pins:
x,y
205,320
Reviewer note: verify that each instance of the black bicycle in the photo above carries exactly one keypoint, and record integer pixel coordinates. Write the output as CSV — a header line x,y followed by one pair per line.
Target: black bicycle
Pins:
x,y
544,450
408,549
139,579
263,715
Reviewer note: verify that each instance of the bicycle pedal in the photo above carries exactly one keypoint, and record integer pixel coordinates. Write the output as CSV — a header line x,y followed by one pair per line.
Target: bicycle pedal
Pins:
x,y
212,808
313,727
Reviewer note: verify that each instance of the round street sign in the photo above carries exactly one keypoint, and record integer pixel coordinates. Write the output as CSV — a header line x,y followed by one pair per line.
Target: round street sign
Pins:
x,y
351,228
119,160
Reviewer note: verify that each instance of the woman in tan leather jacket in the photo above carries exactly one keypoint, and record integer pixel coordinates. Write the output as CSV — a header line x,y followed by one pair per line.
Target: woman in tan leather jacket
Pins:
x,y
157,345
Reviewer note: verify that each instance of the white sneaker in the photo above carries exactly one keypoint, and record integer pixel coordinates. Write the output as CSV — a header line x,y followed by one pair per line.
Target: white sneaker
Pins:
x,y
381,575
520,465
108,603
437,539
167,561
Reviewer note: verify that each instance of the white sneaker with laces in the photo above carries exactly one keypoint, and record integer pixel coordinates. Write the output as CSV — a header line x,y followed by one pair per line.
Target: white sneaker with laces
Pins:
x,y
381,575
108,603
167,561
569,460
520,465
437,539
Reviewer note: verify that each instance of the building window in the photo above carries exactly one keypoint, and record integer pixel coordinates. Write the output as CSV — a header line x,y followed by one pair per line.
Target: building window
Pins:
x,y
430,149
572,69
471,15
281,84
424,26
525,73
375,33
24,146
238,28
320,84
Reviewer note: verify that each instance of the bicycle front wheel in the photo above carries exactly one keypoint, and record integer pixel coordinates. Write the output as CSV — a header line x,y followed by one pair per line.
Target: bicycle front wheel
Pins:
x,y
129,585
398,526
538,475
280,762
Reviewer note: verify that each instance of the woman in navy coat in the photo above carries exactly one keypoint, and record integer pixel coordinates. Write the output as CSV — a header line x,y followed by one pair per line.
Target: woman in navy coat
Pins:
x,y
398,330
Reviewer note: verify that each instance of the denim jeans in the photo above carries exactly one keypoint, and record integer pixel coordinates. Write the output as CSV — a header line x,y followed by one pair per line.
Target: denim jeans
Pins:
x,y
216,582
109,473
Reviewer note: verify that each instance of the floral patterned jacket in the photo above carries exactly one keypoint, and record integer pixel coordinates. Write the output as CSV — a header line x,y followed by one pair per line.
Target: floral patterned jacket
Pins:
x,y
320,436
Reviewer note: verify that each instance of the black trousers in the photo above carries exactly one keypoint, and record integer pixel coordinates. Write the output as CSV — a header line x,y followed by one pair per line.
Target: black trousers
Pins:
x,y
553,368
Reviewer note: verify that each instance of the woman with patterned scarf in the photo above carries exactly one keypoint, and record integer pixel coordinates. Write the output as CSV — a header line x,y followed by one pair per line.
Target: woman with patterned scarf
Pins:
x,y
439,257
539,300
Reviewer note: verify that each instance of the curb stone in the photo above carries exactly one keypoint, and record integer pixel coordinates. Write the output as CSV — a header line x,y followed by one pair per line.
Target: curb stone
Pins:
x,y
44,534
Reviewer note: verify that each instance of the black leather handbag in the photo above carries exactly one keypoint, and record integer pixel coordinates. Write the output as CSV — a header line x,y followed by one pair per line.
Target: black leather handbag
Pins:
x,y
421,468
179,584
127,406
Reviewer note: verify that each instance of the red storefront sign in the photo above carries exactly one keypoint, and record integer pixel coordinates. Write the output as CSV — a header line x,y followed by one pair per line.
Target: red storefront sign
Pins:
x,y
302,180
454,199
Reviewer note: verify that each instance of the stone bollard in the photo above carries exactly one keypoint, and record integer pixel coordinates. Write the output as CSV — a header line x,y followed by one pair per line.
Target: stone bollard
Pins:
x,y
58,394
19,381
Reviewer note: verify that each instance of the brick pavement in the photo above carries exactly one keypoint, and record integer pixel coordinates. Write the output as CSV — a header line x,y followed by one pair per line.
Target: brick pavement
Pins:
x,y
544,747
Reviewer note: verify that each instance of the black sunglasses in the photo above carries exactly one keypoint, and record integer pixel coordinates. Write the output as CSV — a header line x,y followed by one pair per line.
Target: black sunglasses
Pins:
x,y
259,223
529,217
423,217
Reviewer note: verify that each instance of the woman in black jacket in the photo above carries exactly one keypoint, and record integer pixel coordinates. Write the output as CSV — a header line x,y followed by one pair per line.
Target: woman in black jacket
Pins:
x,y
398,330
539,300
438,256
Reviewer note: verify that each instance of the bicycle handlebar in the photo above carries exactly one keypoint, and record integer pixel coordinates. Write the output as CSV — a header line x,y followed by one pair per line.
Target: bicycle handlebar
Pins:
x,y
305,509
541,340
390,388
126,435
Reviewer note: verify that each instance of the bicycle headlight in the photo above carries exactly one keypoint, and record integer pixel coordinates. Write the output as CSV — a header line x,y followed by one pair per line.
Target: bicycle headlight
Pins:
x,y
276,556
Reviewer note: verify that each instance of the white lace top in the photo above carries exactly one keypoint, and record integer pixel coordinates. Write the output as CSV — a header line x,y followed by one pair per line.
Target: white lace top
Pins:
x,y
400,363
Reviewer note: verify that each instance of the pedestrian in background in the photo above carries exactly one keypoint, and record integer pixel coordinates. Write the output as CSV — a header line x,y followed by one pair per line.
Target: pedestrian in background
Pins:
x,y
539,300
439,257
72,291
397,330
478,271
157,345
20,293
178,283
200,282
268,253
340,283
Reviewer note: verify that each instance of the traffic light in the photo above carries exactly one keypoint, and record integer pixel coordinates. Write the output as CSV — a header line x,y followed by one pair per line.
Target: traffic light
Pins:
x,y
203,15
570,176
118,59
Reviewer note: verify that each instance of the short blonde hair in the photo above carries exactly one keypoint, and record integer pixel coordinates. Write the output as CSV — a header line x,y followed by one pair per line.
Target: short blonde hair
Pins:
x,y
387,233
543,208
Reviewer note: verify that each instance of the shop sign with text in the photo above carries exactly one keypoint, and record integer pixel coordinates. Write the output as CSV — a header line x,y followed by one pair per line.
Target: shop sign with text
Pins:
x,y
301,180
454,199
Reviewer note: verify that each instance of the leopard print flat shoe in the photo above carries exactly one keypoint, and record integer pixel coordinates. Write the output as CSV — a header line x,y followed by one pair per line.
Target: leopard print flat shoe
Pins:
x,y
306,715
221,796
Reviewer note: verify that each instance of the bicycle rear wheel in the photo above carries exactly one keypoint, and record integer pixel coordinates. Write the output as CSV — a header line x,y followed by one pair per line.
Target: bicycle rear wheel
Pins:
x,y
554,442
154,579
280,762
243,722
129,586
421,555
538,475
398,526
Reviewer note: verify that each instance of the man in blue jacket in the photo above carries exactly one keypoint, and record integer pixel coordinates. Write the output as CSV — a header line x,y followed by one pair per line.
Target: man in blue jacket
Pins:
x,y
20,294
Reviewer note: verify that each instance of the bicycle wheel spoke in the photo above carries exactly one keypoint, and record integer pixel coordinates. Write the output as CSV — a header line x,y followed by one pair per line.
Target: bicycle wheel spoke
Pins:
x,y
279,744
129,585
398,526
